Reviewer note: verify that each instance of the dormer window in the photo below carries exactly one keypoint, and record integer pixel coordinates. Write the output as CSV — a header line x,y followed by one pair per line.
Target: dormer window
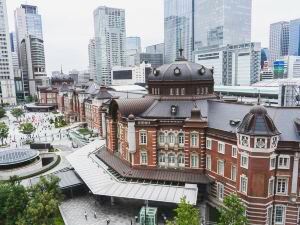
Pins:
x,y
177,71
244,141
260,143
174,110
274,141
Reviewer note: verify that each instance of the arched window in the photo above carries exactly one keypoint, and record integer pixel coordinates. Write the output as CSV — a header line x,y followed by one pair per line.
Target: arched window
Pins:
x,y
161,138
171,91
180,159
182,91
171,139
181,139
161,158
171,159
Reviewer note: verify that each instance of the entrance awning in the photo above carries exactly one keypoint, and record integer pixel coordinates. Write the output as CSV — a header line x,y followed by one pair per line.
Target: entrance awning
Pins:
x,y
100,181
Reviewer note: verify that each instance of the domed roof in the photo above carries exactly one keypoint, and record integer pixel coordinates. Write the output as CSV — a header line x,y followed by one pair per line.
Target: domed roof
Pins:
x,y
258,122
181,70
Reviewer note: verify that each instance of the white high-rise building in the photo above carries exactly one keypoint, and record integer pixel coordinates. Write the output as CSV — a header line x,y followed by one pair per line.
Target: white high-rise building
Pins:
x,y
92,59
7,93
279,40
110,40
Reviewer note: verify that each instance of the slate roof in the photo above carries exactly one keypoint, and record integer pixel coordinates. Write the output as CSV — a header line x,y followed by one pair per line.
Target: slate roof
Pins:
x,y
189,72
220,114
134,106
162,109
126,171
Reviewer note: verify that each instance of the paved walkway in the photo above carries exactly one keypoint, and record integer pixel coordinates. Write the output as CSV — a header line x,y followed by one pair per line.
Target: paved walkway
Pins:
x,y
73,212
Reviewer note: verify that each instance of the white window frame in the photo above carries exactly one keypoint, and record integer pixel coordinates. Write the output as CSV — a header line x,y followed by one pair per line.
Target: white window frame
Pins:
x,y
282,222
208,143
276,139
288,160
171,139
243,189
272,162
221,147
180,164
233,175
286,186
208,162
181,136
221,173
256,142
269,215
143,153
160,162
248,141
172,164
271,186
196,136
220,191
234,151
194,164
141,133
245,166
161,135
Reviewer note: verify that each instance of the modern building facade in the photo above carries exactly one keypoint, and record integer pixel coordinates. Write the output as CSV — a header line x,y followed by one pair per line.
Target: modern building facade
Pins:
x,y
133,48
156,49
178,28
7,93
265,56
130,75
110,41
33,65
234,65
279,40
294,37
155,60
92,58
222,22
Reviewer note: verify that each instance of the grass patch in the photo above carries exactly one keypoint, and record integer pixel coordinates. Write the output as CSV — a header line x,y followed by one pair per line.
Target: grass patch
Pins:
x,y
58,220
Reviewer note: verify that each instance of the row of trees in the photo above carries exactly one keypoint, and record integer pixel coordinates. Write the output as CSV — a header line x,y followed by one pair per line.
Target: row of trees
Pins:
x,y
36,205
233,212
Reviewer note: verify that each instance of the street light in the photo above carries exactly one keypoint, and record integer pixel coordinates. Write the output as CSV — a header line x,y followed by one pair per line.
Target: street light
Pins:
x,y
145,223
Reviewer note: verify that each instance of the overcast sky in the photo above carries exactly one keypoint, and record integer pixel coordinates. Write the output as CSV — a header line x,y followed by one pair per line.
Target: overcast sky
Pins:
x,y
68,24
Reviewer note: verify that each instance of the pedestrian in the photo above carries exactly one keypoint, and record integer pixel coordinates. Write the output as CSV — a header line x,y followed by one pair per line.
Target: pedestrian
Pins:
x,y
85,215
95,215
107,221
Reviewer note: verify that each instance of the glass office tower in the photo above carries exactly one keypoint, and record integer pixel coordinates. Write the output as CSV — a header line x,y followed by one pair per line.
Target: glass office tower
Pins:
x,y
178,28
294,37
220,22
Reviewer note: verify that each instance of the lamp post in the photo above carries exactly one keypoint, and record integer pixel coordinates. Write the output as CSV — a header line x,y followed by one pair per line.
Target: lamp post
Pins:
x,y
145,223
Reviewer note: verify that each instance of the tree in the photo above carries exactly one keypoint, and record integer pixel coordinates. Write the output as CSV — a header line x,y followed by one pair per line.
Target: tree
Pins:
x,y
4,193
233,212
17,112
3,131
186,214
27,128
42,208
2,112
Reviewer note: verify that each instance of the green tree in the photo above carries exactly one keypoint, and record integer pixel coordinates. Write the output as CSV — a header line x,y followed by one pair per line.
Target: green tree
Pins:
x,y
17,112
233,211
2,112
4,193
3,131
27,128
42,208
186,214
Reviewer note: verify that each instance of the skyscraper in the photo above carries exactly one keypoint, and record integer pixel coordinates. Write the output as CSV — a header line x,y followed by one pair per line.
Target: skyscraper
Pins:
x,y
7,91
110,40
279,40
219,22
178,28
133,48
294,37
92,59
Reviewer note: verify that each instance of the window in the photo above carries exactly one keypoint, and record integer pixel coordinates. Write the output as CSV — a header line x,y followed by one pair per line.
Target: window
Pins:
x,y
180,160
244,161
279,214
161,158
208,162
282,185
271,186
221,147
177,91
171,159
182,91
143,137
272,162
274,141
181,139
260,143
171,138
244,140
171,91
220,168
220,191
208,143
144,158
233,173
194,140
234,152
244,184
269,215
161,138
194,161
284,162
